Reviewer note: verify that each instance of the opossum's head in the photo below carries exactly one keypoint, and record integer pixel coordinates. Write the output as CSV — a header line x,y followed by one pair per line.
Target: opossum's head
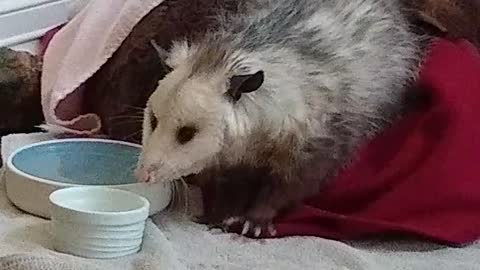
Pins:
x,y
188,118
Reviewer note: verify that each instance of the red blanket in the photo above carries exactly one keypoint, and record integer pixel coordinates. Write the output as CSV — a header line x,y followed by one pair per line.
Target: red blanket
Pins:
x,y
421,177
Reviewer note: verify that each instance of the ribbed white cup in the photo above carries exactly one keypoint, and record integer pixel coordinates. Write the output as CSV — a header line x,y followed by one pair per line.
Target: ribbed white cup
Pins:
x,y
97,222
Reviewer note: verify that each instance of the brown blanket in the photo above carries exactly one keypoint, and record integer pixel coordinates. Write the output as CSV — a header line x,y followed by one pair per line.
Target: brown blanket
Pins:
x,y
20,108
455,18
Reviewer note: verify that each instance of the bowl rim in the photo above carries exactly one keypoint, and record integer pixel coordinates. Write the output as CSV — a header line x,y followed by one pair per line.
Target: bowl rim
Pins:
x,y
60,204
10,166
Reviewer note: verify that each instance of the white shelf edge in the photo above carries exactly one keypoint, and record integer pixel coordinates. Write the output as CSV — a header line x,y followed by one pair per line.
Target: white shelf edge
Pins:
x,y
28,20
25,37
8,6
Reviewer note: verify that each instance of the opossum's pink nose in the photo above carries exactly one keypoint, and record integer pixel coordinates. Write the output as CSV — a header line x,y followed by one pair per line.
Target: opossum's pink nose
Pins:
x,y
145,174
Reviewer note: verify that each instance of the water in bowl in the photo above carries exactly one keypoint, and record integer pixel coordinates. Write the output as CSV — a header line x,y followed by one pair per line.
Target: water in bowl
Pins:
x,y
80,162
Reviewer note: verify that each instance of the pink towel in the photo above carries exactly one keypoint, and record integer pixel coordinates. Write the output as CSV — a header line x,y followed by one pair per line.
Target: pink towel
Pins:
x,y
76,52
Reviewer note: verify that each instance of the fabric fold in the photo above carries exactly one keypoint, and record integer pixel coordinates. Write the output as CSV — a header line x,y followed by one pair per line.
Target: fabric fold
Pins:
x,y
77,51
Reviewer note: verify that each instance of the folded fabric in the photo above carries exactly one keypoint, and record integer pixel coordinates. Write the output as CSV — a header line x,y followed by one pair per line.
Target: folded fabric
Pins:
x,y
419,178
72,57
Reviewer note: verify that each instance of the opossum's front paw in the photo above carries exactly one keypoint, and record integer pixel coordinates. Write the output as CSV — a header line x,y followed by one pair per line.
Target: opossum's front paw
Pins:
x,y
257,223
249,227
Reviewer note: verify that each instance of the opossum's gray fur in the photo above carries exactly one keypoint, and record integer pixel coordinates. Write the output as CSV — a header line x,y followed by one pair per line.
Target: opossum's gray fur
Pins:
x,y
336,72
352,59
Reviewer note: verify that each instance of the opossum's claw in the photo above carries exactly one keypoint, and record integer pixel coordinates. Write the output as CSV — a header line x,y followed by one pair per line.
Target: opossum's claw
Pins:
x,y
249,227
271,230
231,220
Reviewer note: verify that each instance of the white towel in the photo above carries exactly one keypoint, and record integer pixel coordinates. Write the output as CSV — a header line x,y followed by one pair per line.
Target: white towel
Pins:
x,y
25,240
174,243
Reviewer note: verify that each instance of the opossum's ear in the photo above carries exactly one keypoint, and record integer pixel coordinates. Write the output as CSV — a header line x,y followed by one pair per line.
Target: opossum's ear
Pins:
x,y
162,54
240,84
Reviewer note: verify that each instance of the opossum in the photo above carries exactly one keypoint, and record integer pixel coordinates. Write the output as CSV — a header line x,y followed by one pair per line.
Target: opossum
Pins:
x,y
279,98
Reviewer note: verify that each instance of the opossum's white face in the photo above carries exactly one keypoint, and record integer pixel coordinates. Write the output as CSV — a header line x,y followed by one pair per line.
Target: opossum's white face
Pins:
x,y
183,127
186,122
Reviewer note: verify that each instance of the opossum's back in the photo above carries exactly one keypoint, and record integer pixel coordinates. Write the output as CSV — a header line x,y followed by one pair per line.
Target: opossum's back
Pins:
x,y
346,33
367,43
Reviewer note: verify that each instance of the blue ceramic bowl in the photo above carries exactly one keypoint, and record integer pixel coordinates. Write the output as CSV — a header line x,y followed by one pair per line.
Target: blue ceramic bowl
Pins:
x,y
85,162
33,172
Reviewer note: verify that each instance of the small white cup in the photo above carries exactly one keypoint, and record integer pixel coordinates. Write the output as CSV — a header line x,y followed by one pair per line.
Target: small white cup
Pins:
x,y
97,222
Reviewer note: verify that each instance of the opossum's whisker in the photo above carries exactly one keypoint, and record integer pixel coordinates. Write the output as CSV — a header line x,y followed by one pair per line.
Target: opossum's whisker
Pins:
x,y
126,116
133,107
173,202
185,195
126,122
132,135
176,198
184,187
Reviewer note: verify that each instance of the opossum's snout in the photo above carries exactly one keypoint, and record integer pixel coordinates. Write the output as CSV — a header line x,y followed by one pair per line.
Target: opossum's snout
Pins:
x,y
146,172
175,155
150,173
143,174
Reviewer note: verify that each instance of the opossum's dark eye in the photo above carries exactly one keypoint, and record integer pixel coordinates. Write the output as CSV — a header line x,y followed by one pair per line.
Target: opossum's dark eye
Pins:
x,y
153,121
186,134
